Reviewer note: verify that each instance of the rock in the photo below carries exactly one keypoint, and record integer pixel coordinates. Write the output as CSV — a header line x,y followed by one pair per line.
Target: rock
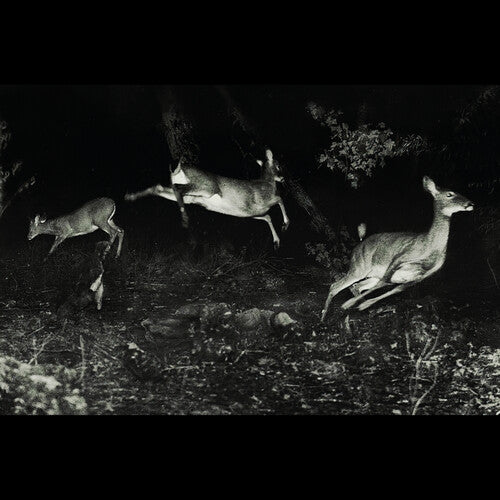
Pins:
x,y
214,314
190,310
253,319
211,311
283,324
282,320
167,327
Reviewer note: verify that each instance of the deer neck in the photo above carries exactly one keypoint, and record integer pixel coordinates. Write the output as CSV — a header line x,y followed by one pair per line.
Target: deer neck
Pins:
x,y
267,175
437,237
47,228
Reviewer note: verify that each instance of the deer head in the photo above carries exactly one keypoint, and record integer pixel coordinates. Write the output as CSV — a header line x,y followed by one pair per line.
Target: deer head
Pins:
x,y
271,166
447,202
35,224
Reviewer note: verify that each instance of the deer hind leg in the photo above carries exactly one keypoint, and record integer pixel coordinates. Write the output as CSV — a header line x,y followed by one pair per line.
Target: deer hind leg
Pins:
x,y
286,220
98,296
157,190
276,239
368,303
345,282
182,208
363,285
359,298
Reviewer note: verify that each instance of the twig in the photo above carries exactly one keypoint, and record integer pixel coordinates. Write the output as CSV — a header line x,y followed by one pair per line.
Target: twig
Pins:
x,y
426,353
37,353
106,352
82,350
492,272
427,392
35,331
20,189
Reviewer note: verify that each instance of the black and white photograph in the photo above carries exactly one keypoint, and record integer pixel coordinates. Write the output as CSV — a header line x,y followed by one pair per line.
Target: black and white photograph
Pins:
x,y
249,249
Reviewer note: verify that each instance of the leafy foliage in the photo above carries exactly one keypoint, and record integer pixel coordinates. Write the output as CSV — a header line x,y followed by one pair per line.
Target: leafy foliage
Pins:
x,y
335,255
6,173
357,153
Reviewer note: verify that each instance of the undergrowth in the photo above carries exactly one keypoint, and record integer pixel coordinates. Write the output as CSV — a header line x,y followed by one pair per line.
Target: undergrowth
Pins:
x,y
413,355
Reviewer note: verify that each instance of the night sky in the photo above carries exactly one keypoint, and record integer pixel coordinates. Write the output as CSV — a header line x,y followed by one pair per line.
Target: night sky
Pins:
x,y
84,141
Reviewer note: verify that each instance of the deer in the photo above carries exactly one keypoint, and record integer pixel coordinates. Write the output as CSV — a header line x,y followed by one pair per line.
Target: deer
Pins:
x,y
93,215
225,195
400,259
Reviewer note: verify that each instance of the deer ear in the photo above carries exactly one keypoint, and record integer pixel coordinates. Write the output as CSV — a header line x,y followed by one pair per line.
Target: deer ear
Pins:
x,y
269,155
42,218
430,185
36,220
260,162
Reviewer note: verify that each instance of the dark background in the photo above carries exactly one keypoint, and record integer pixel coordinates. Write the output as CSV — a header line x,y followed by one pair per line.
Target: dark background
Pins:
x,y
84,141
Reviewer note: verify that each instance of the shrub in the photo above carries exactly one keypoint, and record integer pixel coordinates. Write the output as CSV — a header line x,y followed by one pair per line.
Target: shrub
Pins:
x,y
357,153
335,255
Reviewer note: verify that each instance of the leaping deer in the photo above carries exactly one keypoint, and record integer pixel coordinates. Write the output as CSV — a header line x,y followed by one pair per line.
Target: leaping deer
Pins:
x,y
225,195
95,214
400,259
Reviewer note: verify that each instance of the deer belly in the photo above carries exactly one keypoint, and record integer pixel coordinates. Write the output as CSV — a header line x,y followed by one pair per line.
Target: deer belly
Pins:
x,y
82,232
223,205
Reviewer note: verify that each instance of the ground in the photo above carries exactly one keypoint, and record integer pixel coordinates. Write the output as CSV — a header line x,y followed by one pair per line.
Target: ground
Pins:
x,y
420,352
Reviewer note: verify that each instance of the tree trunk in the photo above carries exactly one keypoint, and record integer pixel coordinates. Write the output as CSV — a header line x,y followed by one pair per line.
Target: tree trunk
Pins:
x,y
317,220
178,132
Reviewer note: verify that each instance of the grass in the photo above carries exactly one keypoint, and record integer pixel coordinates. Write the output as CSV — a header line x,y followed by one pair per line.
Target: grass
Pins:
x,y
415,354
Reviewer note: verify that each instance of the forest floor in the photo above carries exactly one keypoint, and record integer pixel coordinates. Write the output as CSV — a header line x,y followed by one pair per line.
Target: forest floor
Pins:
x,y
171,339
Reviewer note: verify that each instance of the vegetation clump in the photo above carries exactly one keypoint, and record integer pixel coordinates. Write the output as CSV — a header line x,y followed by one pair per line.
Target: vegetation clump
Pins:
x,y
27,389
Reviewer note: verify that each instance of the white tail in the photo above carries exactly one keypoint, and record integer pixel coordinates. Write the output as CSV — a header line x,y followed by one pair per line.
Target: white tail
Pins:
x,y
400,259
362,231
239,198
95,214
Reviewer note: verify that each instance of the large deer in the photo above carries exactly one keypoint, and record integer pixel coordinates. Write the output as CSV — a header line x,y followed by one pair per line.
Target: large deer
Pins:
x,y
240,198
400,259
95,214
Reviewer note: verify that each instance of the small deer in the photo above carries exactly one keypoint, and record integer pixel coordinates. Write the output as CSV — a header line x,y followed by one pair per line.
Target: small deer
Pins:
x,y
401,259
239,198
95,214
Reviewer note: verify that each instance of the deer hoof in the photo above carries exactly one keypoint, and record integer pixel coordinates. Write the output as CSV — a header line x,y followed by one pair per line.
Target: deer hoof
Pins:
x,y
277,245
285,226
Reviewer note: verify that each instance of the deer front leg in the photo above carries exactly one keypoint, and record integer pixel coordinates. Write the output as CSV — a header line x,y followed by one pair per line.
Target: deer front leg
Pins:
x,y
286,220
276,239
121,234
57,242
113,230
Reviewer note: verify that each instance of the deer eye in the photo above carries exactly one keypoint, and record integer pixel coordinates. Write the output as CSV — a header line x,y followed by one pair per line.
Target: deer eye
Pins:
x,y
449,195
